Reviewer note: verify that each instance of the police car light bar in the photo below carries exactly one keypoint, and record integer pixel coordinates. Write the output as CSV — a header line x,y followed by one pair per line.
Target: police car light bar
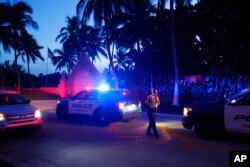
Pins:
x,y
103,87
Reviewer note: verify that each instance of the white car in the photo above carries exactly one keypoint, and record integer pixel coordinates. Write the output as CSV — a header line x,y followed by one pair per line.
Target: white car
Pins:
x,y
17,112
105,106
211,119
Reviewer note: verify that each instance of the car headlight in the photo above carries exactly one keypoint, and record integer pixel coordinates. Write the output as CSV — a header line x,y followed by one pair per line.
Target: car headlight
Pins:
x,y
187,111
2,117
38,114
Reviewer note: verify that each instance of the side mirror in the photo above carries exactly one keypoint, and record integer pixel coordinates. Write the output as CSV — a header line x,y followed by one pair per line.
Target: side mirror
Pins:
x,y
28,101
232,102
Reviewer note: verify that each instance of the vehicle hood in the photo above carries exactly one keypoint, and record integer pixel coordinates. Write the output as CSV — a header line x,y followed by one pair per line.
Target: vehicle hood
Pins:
x,y
17,109
210,108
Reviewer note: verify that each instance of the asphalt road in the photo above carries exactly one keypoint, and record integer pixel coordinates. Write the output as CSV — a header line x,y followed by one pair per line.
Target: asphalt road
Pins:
x,y
79,142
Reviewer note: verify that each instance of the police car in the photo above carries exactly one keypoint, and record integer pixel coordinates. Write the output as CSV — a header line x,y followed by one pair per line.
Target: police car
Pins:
x,y
212,119
17,112
104,106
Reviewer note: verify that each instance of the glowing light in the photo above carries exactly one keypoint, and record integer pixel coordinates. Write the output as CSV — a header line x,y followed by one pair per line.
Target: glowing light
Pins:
x,y
2,117
131,107
103,87
233,101
127,108
38,114
186,111
121,105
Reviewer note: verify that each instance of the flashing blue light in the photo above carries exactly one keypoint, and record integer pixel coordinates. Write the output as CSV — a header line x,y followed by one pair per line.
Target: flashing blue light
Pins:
x,y
103,87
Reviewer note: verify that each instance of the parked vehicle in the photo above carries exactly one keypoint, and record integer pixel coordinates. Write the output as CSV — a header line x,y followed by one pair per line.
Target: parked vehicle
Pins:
x,y
17,112
104,106
211,119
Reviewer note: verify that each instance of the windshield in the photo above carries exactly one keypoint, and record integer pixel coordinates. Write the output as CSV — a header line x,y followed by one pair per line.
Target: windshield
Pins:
x,y
12,99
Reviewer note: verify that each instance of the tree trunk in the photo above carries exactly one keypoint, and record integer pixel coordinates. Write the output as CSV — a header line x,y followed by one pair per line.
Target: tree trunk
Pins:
x,y
174,54
2,78
18,73
112,68
30,78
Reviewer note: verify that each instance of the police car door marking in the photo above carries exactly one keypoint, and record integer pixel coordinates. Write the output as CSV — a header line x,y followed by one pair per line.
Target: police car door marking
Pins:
x,y
237,118
83,106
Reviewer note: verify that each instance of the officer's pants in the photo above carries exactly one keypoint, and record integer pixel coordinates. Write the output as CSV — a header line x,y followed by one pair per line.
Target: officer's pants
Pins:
x,y
151,124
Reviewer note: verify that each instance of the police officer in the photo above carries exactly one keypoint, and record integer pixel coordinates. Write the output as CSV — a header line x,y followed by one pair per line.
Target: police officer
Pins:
x,y
153,103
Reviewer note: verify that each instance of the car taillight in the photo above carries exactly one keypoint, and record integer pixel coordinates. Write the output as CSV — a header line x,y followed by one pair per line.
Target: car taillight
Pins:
x,y
186,111
2,117
38,114
121,105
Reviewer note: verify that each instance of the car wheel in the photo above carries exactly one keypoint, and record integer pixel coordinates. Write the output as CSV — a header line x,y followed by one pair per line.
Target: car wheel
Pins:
x,y
100,119
61,115
126,120
206,128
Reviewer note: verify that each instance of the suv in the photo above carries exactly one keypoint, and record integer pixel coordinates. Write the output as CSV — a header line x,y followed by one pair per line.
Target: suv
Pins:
x,y
212,119
16,112
103,106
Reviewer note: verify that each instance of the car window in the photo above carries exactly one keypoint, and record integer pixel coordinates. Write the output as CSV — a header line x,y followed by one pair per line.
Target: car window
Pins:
x,y
80,96
242,100
93,95
12,99
245,100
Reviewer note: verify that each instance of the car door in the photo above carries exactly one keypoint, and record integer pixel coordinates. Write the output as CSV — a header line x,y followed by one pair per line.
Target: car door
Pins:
x,y
85,102
237,114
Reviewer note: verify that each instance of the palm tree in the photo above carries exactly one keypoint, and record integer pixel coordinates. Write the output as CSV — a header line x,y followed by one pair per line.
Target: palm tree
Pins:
x,y
103,11
174,54
5,32
30,50
122,61
70,30
63,60
161,5
135,32
2,75
77,39
138,24
17,17
91,41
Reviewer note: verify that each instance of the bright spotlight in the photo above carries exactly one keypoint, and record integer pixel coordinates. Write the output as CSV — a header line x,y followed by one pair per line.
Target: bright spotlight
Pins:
x,y
103,87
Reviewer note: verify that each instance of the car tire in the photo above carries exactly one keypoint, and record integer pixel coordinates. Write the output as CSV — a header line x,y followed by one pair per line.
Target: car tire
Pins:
x,y
100,118
61,115
206,128
126,120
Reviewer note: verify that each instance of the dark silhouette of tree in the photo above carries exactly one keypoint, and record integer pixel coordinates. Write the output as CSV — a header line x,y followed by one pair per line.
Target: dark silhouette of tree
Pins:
x,y
103,12
136,30
62,60
30,50
17,17
77,39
